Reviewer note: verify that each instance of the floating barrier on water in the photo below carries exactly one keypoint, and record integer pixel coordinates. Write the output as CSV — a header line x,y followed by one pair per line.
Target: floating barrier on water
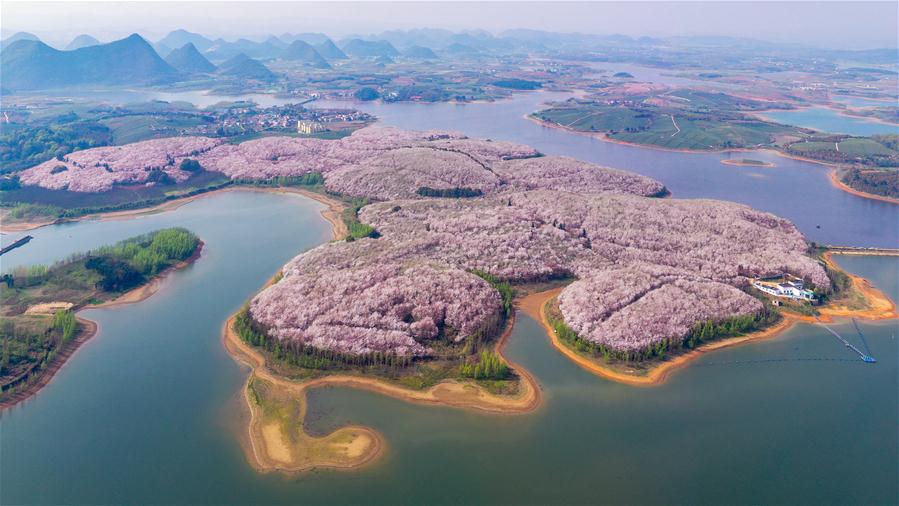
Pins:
x,y
866,357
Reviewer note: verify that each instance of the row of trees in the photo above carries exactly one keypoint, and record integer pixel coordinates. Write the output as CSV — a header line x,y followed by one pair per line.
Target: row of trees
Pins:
x,y
489,365
453,193
297,354
25,147
129,262
66,323
702,332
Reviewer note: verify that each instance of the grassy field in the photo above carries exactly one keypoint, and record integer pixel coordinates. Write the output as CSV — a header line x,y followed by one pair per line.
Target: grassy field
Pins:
x,y
127,129
666,127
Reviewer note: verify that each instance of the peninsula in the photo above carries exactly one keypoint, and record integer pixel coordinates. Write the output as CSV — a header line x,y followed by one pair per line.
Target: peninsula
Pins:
x,y
40,327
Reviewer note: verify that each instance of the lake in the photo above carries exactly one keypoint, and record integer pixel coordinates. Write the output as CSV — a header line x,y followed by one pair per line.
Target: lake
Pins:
x,y
825,119
146,412
862,102
797,190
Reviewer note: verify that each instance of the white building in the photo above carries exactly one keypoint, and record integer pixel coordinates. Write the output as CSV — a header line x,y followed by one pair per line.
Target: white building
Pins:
x,y
787,287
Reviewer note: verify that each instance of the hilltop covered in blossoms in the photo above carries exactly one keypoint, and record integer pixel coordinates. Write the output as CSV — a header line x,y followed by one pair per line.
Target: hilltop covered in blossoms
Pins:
x,y
647,269
374,162
99,169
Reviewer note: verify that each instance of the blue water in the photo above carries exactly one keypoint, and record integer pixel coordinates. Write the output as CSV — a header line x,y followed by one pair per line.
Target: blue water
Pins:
x,y
147,411
799,191
828,120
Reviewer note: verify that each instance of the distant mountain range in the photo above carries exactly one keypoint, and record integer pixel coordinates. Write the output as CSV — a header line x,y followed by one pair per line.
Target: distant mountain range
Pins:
x,y
30,64
244,67
330,51
303,52
419,52
27,63
369,48
179,38
187,59
17,37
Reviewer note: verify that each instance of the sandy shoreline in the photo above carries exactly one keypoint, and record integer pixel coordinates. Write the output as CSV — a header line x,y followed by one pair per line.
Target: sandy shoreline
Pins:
x,y
334,210
741,163
835,180
453,393
881,308
92,328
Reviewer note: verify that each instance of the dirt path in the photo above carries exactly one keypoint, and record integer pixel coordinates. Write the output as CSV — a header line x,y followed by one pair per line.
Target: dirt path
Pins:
x,y
675,125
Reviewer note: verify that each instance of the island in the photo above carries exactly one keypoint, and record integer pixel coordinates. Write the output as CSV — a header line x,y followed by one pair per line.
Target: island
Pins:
x,y
440,237
40,329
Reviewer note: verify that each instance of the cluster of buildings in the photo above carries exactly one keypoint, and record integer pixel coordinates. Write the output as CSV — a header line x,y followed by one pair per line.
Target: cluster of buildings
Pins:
x,y
786,286
238,120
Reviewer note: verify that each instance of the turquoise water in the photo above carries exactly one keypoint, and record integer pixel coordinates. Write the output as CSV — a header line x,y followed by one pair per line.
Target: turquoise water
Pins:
x,y
829,120
146,411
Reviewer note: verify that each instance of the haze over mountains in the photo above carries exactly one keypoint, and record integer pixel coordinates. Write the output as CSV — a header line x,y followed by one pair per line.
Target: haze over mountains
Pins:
x,y
188,59
83,40
31,64
26,63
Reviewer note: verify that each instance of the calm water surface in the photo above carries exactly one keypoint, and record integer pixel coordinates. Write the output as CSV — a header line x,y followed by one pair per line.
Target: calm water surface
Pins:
x,y
825,119
799,191
144,412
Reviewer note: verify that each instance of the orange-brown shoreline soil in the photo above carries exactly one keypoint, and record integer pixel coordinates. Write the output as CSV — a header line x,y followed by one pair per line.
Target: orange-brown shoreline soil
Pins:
x,y
835,180
460,394
880,307
332,214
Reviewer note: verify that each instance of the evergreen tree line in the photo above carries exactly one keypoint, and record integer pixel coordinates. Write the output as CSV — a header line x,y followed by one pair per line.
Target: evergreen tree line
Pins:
x,y
128,263
506,292
489,365
452,193
66,324
297,354
357,229
22,209
702,332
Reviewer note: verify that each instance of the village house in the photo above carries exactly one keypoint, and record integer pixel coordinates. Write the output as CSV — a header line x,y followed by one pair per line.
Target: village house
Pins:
x,y
786,286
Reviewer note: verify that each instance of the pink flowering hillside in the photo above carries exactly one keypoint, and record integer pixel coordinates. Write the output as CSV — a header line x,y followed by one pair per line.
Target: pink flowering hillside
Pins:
x,y
631,308
569,174
375,162
383,307
648,269
98,169
401,172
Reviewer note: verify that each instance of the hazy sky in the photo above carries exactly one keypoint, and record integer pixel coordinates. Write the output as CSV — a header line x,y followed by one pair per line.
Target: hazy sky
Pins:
x,y
826,24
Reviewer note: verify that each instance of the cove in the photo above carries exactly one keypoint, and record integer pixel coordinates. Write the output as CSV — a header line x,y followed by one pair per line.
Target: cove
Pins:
x,y
148,411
